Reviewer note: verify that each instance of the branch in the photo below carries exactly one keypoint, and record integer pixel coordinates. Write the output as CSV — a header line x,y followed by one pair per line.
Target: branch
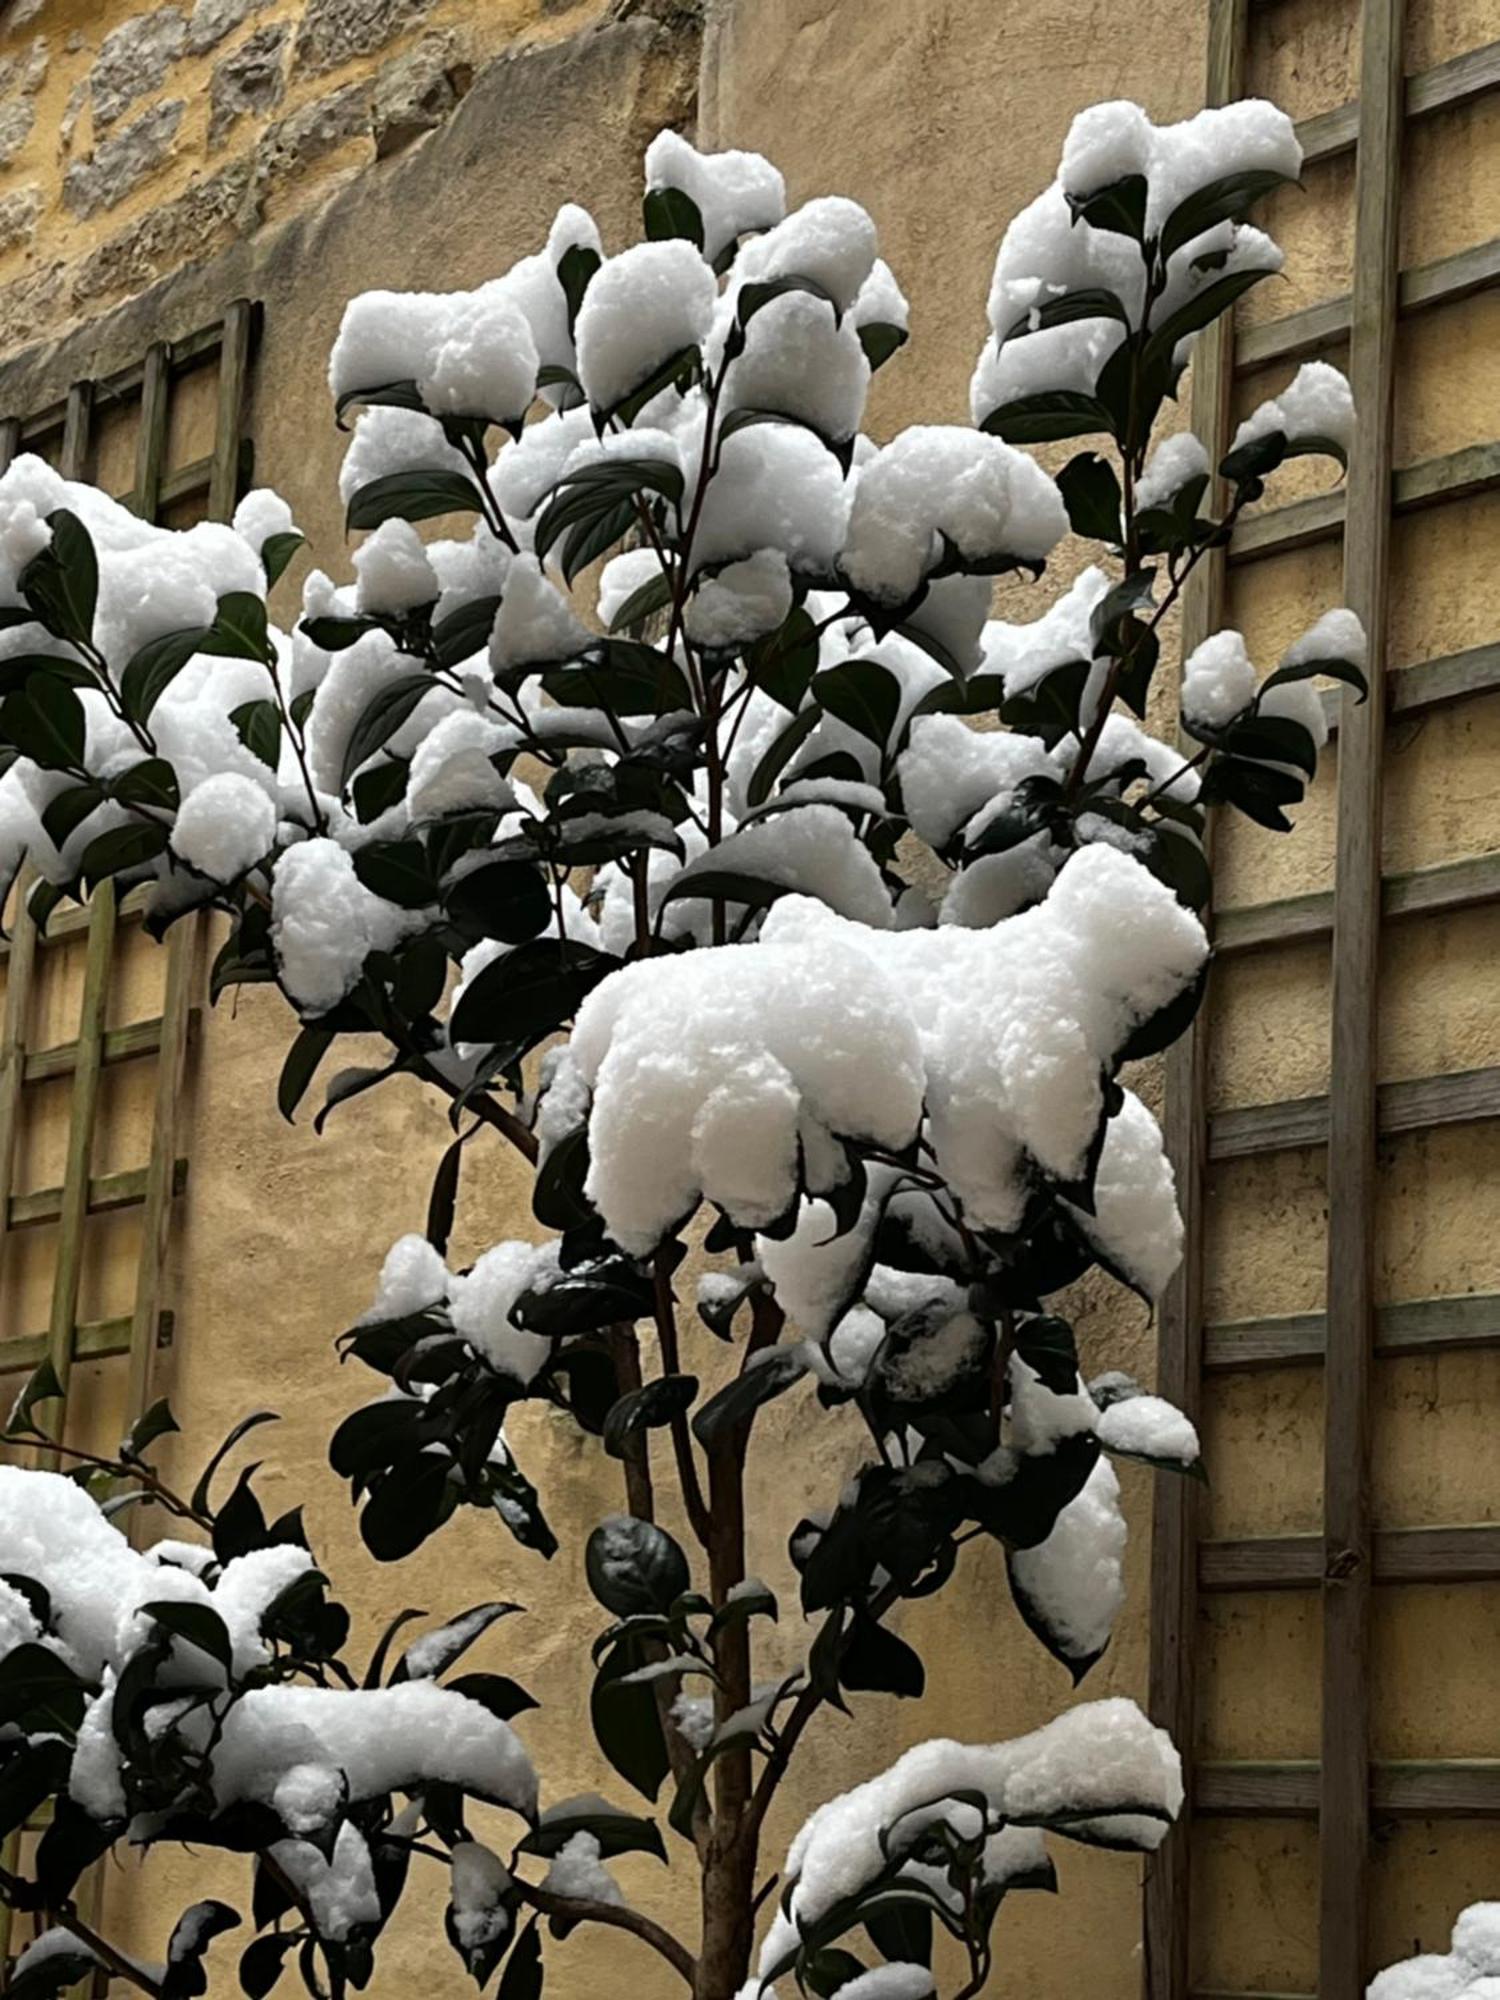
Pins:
x,y
617,1916
682,1444
69,1920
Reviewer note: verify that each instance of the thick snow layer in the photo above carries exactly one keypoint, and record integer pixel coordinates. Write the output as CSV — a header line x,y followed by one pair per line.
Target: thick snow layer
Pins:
x,y
470,353
479,1884
734,191
388,440
997,886
708,1070
745,600
1476,1937
1218,680
830,240
896,1981
802,362
224,826
339,1889
640,309
481,1302
937,482
451,769
880,301
382,1739
1024,654
578,1872
950,771
530,466
1075,1579
1175,461
535,624
1107,142
1015,1022
1136,1223
1067,357
1148,1424
412,1278
325,923
776,487
1122,741
1317,403
1043,255
813,1269
621,577
261,514
810,850
1338,635
1470,1971
393,571
1101,1758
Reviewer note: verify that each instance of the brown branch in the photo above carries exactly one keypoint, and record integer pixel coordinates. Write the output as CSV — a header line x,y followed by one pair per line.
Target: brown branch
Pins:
x,y
69,1920
682,1443
616,1916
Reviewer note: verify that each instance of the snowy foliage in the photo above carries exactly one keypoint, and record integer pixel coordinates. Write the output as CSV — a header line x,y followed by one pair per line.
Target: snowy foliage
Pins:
x,y
661,792
1470,1969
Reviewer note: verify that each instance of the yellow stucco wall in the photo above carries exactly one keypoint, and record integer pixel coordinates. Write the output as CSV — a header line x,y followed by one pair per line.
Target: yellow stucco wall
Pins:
x,y
942,118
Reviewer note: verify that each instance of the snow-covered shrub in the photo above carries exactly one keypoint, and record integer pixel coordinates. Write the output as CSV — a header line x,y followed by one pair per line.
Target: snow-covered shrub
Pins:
x,y
778,904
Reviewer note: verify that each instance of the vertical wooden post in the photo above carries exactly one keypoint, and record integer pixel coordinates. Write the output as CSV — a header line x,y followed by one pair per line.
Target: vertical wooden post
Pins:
x,y
10,440
1344,1812
156,1215
234,367
13,1039
151,436
77,430
1174,1525
72,1219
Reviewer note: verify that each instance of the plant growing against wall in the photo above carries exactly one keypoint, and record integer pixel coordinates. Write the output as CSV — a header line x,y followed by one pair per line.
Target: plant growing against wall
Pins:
x,y
803,919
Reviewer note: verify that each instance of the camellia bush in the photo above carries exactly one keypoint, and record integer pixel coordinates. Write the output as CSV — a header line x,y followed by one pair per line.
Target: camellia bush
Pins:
x,y
691,828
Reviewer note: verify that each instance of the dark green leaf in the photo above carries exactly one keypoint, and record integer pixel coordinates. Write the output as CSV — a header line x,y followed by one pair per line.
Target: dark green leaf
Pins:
x,y
875,1661
276,551
262,1963
68,810
781,753
152,670
198,1624
199,1499
239,628
152,782
398,870
575,271
411,1501
752,298
464,632
1093,302
301,1064
522,1977
412,496
1091,494
122,848
1228,199
332,635
403,395
148,1427
1204,306
381,718
734,1404
1052,414
880,342
504,899
1337,670
627,1723
668,212
862,693
435,1652
258,726
648,1408
496,1692
616,1831
41,1386
45,722
528,993
40,1691
1119,208
634,1566
61,584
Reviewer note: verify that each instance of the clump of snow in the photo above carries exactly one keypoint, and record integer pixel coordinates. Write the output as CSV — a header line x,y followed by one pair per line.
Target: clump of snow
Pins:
x,y
745,600
578,1873
621,577
325,923
1107,142
1026,653
225,826
810,849
1317,403
480,1883
452,769
642,307
830,240
388,440
393,571
777,487
880,301
801,362
897,1980
1337,635
1148,1424
1469,1970
1218,681
535,623
949,772
339,1888
1075,1578
1102,1759
733,191
412,1278
260,515
1176,461
708,1071
470,353
481,1300
1136,1223
937,482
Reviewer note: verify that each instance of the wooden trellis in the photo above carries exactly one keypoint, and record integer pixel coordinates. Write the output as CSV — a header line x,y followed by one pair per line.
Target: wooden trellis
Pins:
x,y
66,432
1344,1787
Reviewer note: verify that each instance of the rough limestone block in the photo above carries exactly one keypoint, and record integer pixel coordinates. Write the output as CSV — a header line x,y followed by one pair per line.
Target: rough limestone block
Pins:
x,y
337,31
212,20
293,143
176,232
248,82
133,61
121,162
415,92
18,216
21,77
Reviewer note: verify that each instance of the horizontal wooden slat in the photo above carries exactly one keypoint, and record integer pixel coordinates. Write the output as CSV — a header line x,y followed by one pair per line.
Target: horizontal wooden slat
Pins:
x,y
141,1038
1412,1326
1402,1555
1457,475
93,1340
1456,885
106,1193
1443,88
73,919
186,481
1456,1788
1316,329
1411,1105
